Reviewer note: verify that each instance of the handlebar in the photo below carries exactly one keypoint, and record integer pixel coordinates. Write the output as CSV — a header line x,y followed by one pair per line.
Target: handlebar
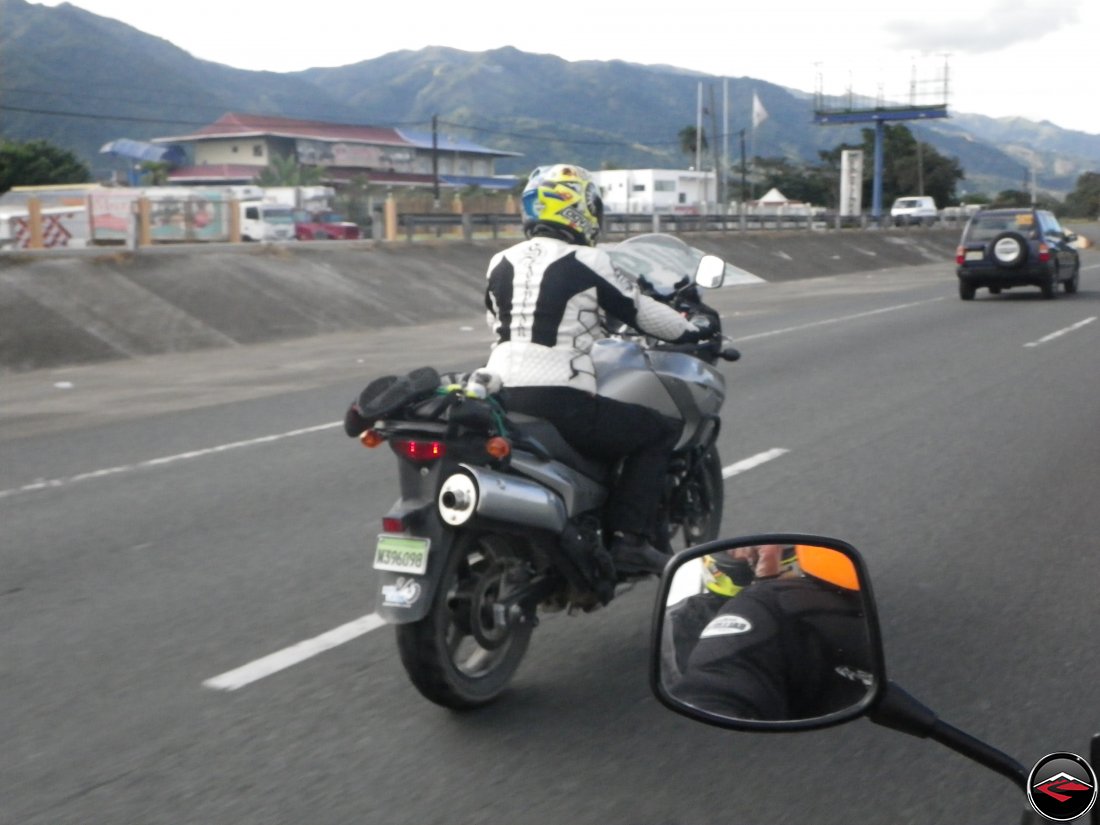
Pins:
x,y
712,348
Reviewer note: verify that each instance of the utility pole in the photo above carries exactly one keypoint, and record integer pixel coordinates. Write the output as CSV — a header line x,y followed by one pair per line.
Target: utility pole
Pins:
x,y
699,135
742,207
435,159
725,142
714,147
920,168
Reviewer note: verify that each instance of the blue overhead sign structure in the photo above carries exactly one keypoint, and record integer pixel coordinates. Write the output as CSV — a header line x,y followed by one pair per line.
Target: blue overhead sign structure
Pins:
x,y
845,110
834,117
880,116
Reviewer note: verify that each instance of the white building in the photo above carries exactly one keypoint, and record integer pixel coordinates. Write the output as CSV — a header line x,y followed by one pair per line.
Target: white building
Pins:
x,y
656,190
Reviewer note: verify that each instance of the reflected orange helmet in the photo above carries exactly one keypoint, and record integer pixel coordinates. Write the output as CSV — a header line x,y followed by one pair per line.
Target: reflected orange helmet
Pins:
x,y
828,565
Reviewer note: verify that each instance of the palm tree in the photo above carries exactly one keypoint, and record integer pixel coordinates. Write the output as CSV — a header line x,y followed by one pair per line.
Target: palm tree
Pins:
x,y
689,136
284,170
154,172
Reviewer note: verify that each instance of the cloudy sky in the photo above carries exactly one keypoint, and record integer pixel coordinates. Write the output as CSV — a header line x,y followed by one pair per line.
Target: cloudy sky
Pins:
x,y
1031,58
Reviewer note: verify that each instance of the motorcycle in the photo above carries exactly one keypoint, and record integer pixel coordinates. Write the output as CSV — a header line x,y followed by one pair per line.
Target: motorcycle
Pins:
x,y
803,650
499,519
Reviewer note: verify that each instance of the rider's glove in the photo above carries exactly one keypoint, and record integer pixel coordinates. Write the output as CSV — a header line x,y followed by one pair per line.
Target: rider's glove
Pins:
x,y
704,327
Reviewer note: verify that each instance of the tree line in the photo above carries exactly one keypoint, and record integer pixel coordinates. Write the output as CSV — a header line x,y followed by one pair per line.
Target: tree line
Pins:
x,y
910,167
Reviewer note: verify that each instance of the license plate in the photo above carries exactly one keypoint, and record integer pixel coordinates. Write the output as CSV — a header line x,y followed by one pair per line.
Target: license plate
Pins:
x,y
402,554
974,254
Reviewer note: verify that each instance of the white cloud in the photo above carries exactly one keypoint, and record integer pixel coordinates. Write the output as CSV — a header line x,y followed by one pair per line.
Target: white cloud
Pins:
x,y
1005,25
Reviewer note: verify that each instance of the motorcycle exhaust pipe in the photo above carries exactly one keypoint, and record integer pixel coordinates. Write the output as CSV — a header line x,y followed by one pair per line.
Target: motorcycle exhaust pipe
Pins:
x,y
492,495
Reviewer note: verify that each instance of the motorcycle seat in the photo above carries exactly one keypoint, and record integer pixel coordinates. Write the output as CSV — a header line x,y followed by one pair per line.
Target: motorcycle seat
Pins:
x,y
543,438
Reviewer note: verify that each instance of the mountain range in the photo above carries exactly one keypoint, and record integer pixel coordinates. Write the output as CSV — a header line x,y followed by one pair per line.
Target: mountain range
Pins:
x,y
80,80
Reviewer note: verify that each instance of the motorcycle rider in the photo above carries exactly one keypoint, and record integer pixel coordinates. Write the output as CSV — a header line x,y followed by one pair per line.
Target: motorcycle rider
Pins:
x,y
785,647
724,575
545,297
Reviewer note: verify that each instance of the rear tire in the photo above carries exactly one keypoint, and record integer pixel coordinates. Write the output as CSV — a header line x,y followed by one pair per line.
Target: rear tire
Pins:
x,y
966,291
1050,286
460,655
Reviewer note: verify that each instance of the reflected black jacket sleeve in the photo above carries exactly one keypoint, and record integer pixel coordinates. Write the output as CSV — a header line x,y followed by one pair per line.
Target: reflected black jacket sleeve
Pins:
x,y
782,649
737,666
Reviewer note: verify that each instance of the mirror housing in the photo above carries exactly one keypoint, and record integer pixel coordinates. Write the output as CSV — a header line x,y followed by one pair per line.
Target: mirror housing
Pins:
x,y
710,272
793,646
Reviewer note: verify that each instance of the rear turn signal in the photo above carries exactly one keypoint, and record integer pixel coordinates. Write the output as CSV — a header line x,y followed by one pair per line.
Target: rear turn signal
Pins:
x,y
1044,253
371,438
960,254
498,447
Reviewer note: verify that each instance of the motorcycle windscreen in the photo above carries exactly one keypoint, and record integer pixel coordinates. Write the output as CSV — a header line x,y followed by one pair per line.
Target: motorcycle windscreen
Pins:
x,y
772,635
664,262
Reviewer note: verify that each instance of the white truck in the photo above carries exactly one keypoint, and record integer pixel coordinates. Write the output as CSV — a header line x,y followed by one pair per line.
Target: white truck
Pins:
x,y
268,213
266,221
914,210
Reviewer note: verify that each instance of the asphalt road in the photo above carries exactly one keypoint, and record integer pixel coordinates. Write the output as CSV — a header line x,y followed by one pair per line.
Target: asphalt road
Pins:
x,y
168,521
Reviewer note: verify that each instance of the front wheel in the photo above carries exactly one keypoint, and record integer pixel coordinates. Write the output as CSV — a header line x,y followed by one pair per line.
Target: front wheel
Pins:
x,y
465,651
696,507
1072,284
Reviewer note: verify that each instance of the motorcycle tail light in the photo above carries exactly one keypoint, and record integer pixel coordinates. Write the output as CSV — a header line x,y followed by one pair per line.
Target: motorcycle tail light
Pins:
x,y
371,438
1044,253
393,524
423,451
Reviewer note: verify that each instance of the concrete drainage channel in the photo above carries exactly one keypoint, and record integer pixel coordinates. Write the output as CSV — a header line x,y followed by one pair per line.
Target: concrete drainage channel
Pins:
x,y
69,307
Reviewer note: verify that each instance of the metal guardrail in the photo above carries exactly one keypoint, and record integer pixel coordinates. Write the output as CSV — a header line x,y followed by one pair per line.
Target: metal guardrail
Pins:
x,y
413,225
443,224
631,224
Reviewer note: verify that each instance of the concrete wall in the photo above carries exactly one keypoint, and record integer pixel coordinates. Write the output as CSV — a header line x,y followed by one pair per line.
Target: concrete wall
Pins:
x,y
65,307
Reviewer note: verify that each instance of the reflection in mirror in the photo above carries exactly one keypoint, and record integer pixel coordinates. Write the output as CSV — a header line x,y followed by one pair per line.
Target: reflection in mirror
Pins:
x,y
768,633
710,272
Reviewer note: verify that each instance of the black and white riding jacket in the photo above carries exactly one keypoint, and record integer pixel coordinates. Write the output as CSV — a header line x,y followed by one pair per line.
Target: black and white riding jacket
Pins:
x,y
544,300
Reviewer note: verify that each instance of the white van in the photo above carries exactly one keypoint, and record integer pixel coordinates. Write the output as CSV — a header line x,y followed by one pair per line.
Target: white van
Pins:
x,y
914,209
266,222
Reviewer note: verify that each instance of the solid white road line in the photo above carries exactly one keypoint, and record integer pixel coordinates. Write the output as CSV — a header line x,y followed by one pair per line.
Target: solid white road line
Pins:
x,y
287,657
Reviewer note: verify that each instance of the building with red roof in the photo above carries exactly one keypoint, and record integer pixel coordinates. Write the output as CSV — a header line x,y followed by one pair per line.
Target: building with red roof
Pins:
x,y
236,147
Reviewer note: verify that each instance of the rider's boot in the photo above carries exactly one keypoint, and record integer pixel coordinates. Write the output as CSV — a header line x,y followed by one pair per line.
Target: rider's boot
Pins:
x,y
631,553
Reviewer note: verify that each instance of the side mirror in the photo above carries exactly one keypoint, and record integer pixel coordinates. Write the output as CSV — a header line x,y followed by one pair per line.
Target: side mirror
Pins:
x,y
710,272
775,632
1070,237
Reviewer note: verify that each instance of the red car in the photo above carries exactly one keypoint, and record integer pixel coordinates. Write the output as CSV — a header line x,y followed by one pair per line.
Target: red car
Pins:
x,y
320,226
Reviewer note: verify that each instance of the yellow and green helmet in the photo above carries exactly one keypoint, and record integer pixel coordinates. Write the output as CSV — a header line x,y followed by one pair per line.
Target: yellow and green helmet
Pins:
x,y
564,199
